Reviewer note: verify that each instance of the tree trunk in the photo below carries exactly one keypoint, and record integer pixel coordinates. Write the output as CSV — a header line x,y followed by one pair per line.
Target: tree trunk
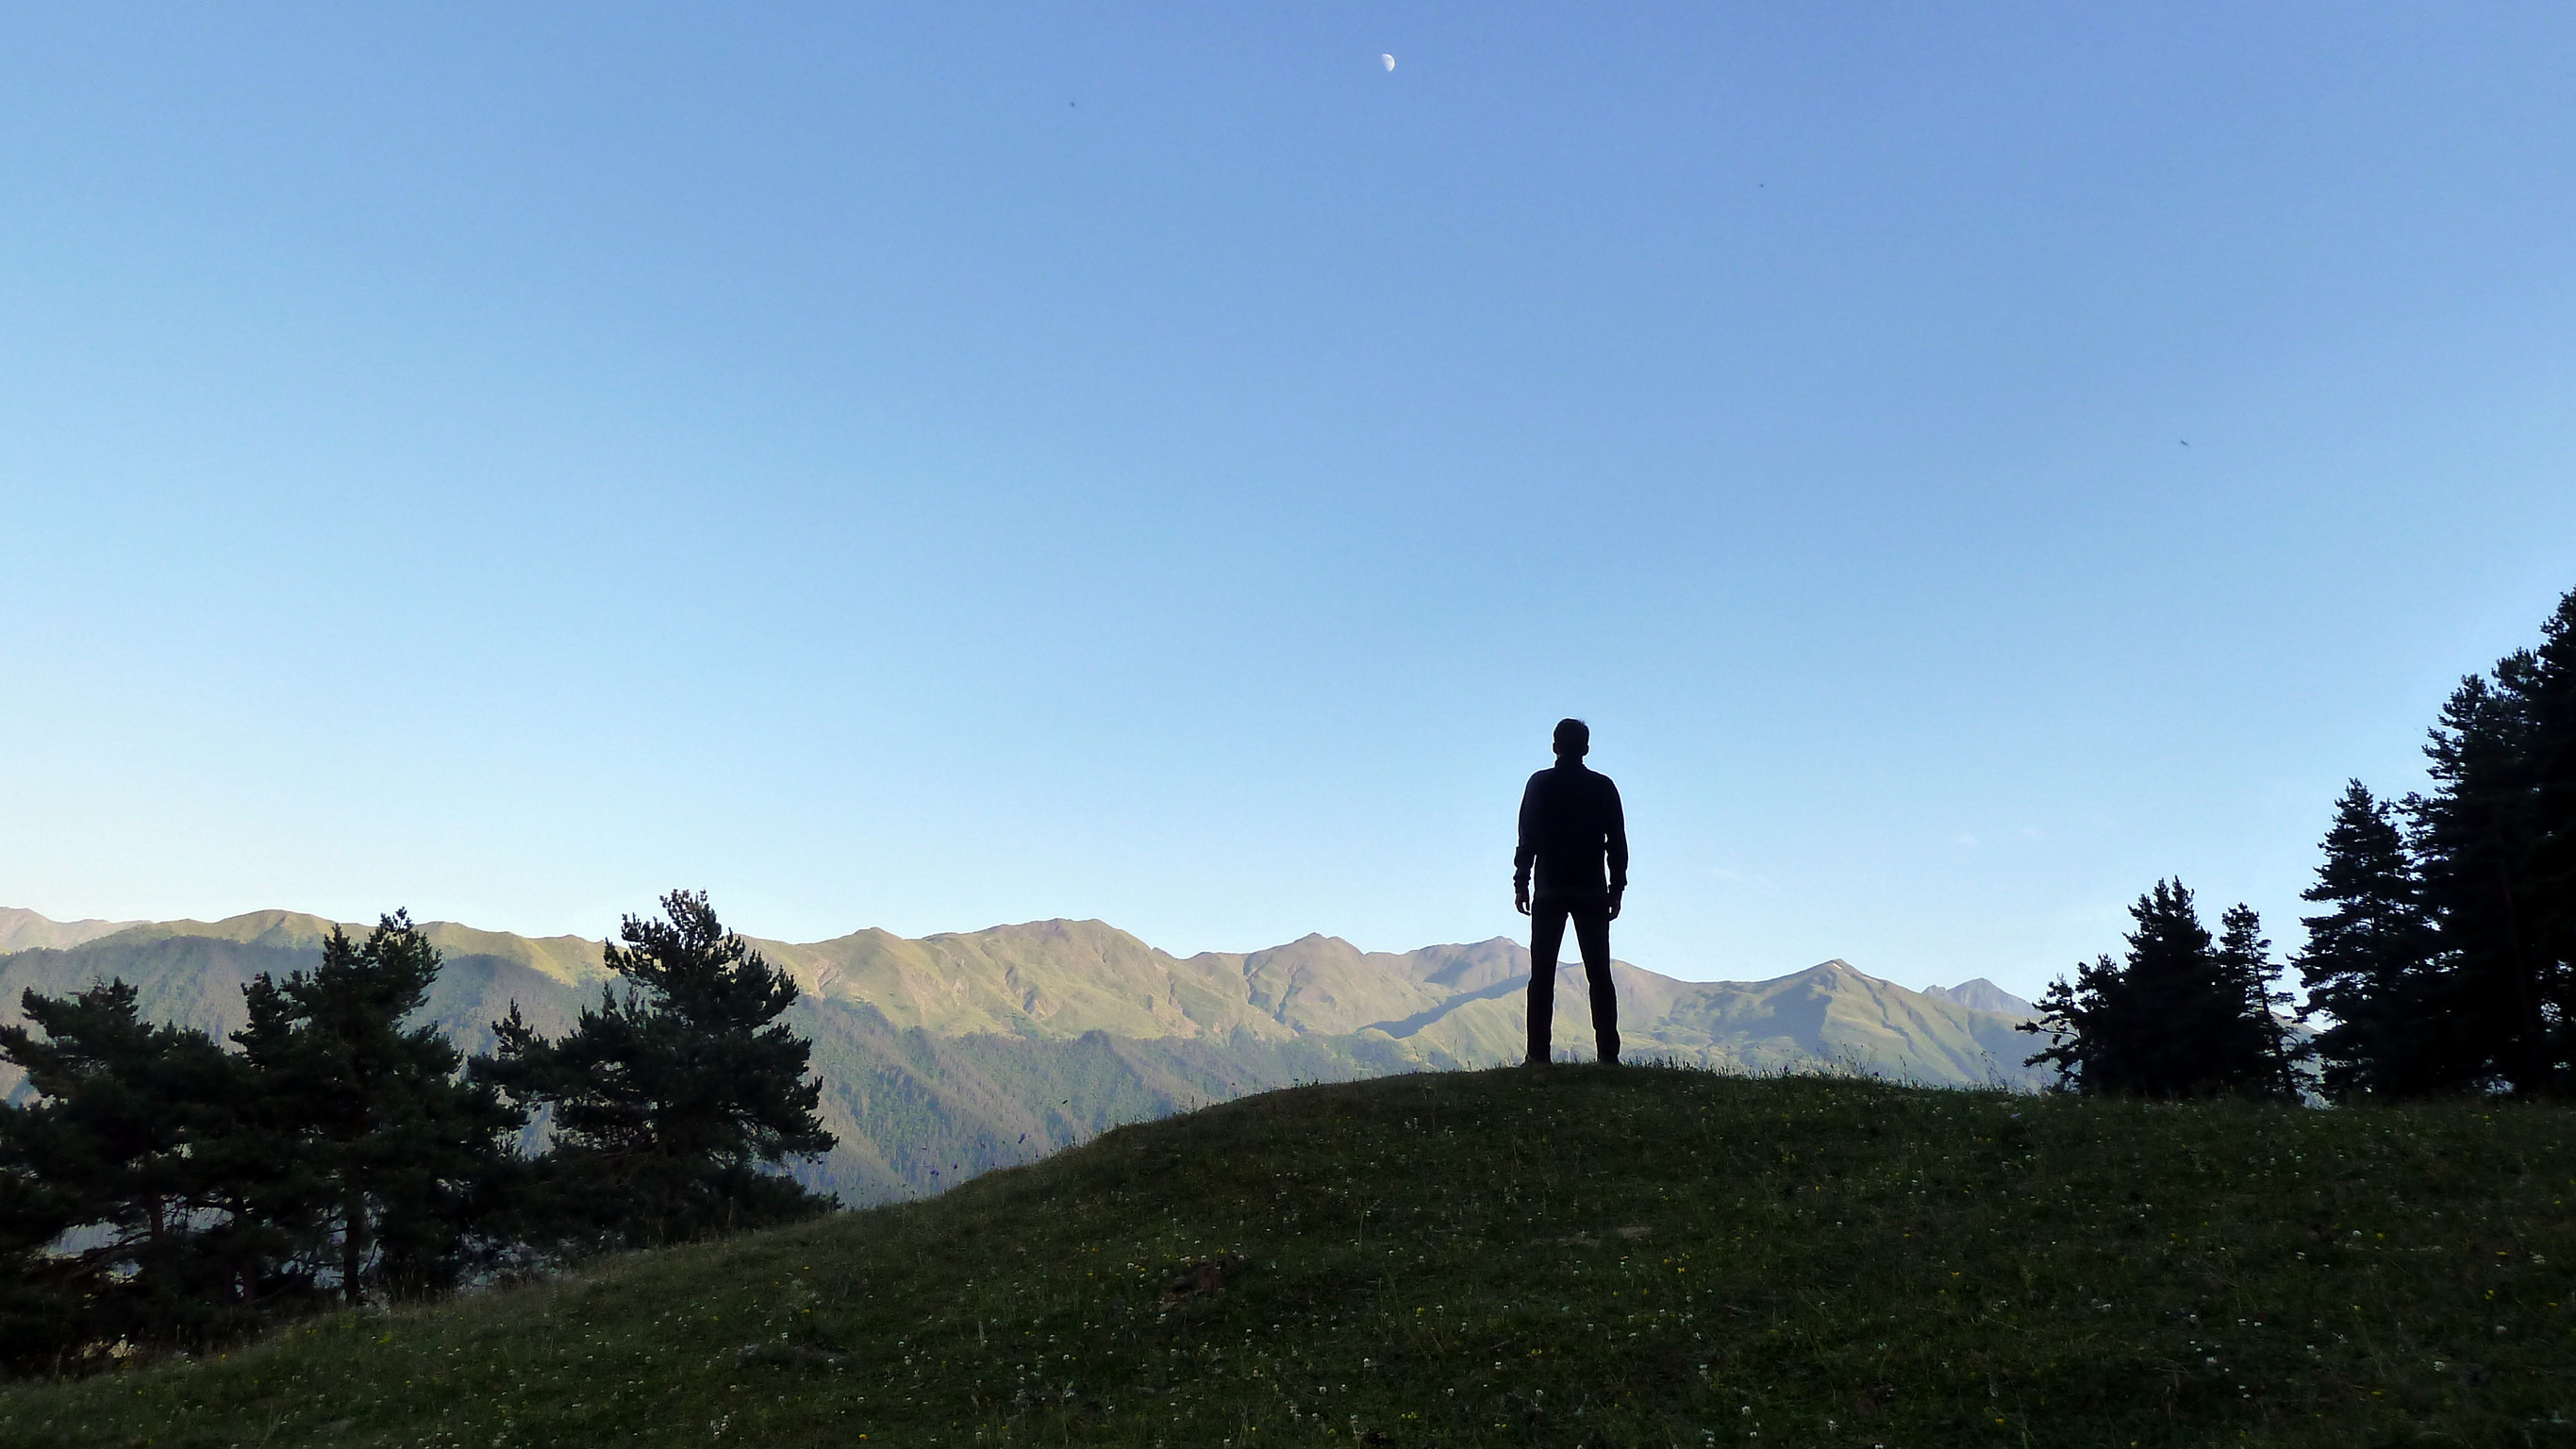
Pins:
x,y
354,1243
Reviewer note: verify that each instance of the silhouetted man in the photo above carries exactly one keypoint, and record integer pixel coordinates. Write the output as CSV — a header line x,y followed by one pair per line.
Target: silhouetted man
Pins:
x,y
1571,823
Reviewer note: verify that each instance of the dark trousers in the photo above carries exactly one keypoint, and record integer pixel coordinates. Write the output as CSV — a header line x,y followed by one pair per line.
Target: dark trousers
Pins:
x,y
1591,918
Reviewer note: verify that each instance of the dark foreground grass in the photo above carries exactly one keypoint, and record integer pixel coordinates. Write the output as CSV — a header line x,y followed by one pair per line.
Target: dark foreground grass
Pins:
x,y
1637,1257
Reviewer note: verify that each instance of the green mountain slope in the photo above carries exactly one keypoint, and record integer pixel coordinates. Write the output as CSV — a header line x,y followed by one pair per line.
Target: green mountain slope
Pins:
x,y
1825,1014
957,1053
1577,1257
1064,978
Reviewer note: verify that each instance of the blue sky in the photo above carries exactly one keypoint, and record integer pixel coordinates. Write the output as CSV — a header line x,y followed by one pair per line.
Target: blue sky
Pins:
x,y
947,465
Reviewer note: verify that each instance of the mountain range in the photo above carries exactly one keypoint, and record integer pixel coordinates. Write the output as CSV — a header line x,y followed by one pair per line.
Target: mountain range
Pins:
x,y
952,1054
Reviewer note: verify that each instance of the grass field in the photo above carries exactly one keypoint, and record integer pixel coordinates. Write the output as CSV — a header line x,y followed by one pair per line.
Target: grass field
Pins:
x,y
1579,1257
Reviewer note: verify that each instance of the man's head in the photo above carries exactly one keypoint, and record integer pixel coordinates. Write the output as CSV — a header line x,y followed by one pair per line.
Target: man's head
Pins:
x,y
1573,739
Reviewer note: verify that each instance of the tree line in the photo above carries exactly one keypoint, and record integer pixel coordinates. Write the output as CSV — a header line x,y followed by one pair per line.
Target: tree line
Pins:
x,y
2443,960
162,1189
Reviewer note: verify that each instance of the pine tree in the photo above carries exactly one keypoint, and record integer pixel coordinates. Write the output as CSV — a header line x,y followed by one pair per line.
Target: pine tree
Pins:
x,y
2369,962
2552,860
2086,1024
384,1154
118,1142
2499,998
2181,1017
2262,1046
669,1099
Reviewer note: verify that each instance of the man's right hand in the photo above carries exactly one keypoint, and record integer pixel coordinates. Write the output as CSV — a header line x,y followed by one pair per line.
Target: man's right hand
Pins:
x,y
1520,898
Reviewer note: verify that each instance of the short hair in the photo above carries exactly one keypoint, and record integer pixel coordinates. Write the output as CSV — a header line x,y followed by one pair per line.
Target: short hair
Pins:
x,y
1572,735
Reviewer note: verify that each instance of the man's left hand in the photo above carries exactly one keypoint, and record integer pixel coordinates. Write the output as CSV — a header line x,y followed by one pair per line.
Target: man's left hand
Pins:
x,y
1614,905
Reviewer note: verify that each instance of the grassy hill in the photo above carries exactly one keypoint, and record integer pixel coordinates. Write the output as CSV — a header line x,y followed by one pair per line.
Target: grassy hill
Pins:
x,y
1579,1257
954,1054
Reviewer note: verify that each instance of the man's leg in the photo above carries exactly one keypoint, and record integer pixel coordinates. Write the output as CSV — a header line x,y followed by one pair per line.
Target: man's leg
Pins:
x,y
1592,936
1547,935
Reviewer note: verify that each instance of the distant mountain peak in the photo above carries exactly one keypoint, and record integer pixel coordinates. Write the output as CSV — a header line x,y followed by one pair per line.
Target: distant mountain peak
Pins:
x,y
23,930
1980,994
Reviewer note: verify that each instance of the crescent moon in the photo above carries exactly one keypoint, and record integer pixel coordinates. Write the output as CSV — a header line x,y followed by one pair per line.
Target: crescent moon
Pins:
x,y
1390,61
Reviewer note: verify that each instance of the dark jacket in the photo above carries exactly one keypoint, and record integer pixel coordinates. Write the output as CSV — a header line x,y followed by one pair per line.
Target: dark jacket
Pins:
x,y
1571,821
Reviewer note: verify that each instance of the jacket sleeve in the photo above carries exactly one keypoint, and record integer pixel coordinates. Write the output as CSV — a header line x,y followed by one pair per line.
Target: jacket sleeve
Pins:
x,y
1531,825
1618,843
